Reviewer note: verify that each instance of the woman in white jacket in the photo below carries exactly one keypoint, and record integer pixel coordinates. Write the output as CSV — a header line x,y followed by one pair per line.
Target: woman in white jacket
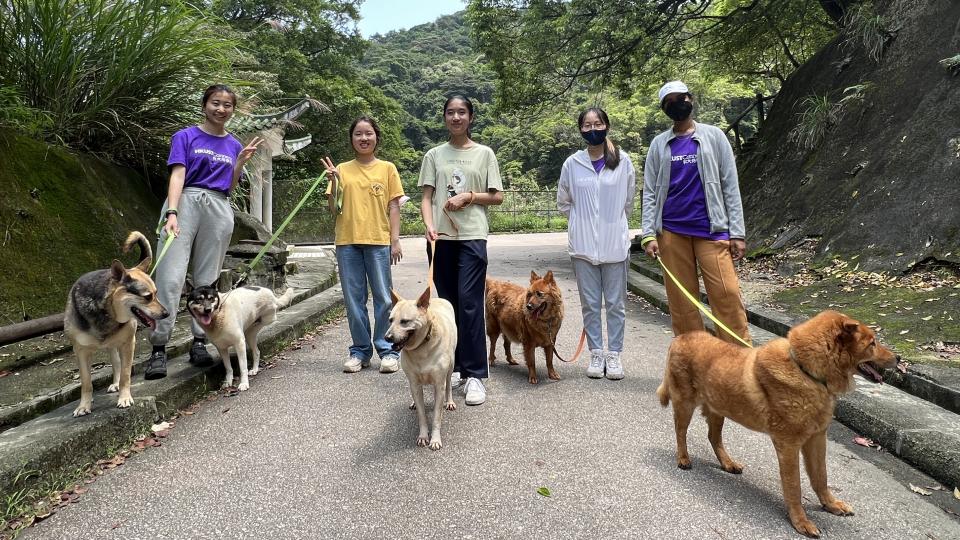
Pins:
x,y
596,192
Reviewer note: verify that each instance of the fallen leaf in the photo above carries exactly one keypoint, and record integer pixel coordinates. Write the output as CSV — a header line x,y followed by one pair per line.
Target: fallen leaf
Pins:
x,y
902,332
956,492
927,318
920,490
162,426
863,441
162,434
902,367
4,373
188,413
115,525
225,410
544,492
935,487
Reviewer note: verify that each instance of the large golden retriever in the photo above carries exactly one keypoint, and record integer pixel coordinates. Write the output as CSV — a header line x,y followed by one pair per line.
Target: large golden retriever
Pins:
x,y
786,388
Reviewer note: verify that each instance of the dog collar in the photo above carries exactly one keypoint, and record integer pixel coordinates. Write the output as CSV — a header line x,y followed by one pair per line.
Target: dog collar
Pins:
x,y
793,356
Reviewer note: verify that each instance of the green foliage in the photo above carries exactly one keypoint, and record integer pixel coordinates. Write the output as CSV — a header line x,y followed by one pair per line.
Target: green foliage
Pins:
x,y
115,77
818,114
863,26
16,115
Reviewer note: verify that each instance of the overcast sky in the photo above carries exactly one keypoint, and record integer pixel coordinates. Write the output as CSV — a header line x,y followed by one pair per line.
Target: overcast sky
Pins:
x,y
382,16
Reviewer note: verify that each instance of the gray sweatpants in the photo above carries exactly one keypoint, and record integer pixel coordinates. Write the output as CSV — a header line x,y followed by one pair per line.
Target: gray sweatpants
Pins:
x,y
598,285
206,225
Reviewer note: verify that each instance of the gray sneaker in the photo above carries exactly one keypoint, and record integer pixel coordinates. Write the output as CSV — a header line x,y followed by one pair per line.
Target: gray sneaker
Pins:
x,y
595,369
614,366
455,380
389,364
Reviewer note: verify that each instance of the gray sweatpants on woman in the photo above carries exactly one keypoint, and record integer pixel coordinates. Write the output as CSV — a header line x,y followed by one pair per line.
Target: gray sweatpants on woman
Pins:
x,y
602,284
206,225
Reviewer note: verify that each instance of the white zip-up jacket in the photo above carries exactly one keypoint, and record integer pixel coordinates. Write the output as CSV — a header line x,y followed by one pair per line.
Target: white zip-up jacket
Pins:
x,y
597,206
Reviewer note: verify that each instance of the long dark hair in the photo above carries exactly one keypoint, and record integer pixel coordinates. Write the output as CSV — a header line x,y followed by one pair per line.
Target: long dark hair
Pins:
x,y
466,101
373,124
217,88
611,154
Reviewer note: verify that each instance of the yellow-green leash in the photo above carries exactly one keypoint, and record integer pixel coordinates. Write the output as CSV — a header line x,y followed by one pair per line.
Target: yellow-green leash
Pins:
x,y
700,306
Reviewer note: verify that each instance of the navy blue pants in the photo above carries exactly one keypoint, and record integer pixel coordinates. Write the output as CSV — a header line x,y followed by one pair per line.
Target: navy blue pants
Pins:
x,y
460,273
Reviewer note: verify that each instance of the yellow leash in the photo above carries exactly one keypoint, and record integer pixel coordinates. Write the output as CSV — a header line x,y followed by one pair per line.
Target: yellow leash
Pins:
x,y
700,306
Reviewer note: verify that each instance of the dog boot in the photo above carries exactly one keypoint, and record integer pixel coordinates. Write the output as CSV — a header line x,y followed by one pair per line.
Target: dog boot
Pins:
x,y
156,365
199,356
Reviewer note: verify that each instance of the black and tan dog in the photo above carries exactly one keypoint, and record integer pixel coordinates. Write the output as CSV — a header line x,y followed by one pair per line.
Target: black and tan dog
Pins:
x,y
102,311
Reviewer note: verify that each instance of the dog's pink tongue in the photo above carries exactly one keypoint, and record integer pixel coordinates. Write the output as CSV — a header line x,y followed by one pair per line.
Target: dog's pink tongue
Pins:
x,y
868,369
152,323
205,319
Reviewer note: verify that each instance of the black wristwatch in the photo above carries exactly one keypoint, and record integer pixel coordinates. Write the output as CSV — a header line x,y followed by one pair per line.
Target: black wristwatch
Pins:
x,y
170,211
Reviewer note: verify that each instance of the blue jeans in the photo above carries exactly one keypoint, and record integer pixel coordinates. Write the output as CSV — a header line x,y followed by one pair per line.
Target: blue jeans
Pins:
x,y
361,265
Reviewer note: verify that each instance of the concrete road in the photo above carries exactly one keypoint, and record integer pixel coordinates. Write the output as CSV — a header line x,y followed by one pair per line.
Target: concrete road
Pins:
x,y
313,452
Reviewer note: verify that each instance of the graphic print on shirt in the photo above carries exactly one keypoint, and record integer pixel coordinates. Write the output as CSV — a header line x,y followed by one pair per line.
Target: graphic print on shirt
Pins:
x,y
686,159
457,182
377,189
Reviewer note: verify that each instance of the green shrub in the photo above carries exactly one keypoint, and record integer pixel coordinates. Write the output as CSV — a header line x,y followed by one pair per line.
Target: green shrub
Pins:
x,y
864,26
113,76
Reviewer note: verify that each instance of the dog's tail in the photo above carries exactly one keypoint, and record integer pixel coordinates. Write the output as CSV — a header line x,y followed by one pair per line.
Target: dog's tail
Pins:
x,y
136,237
662,391
284,299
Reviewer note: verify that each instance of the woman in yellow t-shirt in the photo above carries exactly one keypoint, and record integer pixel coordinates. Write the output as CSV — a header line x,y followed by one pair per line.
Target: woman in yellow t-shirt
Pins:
x,y
364,194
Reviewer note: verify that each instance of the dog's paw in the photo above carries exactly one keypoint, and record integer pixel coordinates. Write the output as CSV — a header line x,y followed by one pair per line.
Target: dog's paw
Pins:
x,y
492,360
684,463
806,527
226,383
436,444
82,410
124,401
533,379
512,362
422,440
839,508
115,387
450,406
253,372
245,385
732,467
553,375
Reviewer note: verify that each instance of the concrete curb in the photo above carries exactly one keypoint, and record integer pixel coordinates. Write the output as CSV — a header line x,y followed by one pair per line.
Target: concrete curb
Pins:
x,y
54,444
915,380
917,431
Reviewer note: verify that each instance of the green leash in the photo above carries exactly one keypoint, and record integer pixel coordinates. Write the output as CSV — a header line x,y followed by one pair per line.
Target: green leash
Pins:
x,y
282,226
163,251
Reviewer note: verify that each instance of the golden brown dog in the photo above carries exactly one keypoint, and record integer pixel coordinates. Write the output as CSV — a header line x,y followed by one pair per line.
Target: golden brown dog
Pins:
x,y
531,317
786,388
102,311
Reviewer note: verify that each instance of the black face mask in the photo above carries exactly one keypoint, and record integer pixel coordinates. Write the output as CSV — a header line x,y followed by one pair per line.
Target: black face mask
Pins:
x,y
594,136
679,111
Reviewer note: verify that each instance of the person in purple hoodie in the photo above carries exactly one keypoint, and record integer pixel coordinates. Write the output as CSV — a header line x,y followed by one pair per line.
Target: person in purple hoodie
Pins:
x,y
693,215
205,166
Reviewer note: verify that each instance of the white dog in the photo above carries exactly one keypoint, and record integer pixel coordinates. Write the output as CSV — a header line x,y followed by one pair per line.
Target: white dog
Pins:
x,y
233,320
425,333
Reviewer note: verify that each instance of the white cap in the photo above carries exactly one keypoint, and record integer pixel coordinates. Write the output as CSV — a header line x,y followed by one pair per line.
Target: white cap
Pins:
x,y
670,88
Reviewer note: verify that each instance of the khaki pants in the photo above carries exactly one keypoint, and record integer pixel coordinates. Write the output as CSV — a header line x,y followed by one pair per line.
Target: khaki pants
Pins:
x,y
682,255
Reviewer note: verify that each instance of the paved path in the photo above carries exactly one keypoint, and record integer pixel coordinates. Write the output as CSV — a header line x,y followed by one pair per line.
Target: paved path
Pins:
x,y
312,452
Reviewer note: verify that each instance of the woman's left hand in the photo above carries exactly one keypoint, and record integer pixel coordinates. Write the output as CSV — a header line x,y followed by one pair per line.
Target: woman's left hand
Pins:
x,y
396,253
249,150
457,202
738,248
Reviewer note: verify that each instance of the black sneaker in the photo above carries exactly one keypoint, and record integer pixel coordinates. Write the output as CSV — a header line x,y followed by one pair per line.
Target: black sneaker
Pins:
x,y
199,356
156,366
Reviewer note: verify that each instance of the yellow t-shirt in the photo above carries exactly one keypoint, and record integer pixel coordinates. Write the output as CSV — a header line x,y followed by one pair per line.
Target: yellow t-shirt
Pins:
x,y
367,189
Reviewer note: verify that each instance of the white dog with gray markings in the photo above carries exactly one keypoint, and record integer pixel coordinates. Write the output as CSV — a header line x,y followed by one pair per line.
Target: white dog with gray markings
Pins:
x,y
425,332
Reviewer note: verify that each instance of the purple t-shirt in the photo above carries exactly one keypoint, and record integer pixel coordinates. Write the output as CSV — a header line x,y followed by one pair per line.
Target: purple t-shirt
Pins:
x,y
209,159
685,210
599,163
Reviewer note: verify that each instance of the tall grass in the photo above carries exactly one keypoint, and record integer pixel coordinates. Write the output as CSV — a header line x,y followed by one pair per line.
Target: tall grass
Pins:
x,y
815,118
113,76
864,26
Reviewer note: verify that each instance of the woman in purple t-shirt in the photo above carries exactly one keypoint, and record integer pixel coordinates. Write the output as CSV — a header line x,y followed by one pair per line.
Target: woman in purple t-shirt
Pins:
x,y
205,165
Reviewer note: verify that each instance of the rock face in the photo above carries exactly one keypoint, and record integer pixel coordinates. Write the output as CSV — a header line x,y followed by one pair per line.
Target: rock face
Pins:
x,y
884,183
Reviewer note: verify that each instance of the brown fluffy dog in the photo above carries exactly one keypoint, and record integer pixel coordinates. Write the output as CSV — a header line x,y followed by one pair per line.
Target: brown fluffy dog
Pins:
x,y
786,388
531,317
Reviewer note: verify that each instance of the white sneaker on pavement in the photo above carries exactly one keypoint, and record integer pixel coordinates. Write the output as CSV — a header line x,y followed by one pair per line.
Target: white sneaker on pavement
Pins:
x,y
455,380
389,364
476,393
595,369
614,366
354,365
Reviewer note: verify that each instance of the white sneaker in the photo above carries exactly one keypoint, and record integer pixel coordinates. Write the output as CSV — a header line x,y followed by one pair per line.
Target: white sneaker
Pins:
x,y
614,367
455,380
389,364
354,365
595,370
476,393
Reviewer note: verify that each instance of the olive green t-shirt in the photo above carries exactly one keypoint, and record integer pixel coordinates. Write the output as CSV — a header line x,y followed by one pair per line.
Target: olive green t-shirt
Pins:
x,y
451,171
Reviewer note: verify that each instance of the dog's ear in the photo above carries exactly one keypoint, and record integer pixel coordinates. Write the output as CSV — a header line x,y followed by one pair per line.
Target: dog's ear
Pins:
x,y
533,276
187,286
214,285
144,265
395,297
117,271
424,301
848,329
549,277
